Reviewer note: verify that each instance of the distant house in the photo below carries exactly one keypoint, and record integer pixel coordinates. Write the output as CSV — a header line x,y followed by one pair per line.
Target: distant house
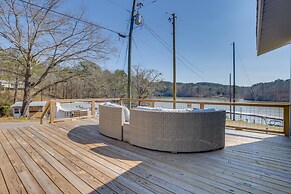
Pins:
x,y
35,109
74,109
4,84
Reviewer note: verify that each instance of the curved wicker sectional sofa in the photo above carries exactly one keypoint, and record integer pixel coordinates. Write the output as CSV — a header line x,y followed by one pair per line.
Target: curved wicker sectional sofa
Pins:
x,y
111,120
173,131
178,131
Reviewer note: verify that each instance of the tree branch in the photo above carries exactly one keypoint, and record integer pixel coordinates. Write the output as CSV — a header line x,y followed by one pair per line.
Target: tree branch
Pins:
x,y
57,82
10,71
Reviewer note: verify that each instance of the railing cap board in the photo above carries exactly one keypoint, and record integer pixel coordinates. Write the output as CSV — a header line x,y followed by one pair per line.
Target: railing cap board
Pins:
x,y
284,105
87,100
277,104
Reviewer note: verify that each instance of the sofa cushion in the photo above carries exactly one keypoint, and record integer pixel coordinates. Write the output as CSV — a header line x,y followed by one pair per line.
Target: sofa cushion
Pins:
x,y
148,108
205,110
125,110
126,114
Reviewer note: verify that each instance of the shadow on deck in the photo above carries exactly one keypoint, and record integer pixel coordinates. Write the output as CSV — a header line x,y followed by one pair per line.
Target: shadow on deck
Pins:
x,y
251,162
75,157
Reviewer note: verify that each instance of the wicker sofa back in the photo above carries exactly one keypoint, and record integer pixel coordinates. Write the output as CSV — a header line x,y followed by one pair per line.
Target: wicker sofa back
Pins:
x,y
111,120
178,131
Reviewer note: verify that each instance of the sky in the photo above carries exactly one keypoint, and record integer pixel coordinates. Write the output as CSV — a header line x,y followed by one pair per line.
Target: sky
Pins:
x,y
205,30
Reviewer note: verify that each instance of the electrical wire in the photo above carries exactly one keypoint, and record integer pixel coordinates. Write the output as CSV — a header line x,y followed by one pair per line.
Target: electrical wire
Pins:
x,y
150,46
120,50
127,29
125,57
118,5
180,57
139,53
154,1
170,50
75,18
214,35
164,43
247,76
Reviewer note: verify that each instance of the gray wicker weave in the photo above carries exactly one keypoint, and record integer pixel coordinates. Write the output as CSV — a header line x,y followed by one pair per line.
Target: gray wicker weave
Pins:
x,y
111,120
178,131
126,132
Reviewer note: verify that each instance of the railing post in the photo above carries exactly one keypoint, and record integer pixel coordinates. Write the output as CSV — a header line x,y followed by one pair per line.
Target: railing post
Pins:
x,y
201,105
287,121
121,102
93,108
52,111
153,104
174,104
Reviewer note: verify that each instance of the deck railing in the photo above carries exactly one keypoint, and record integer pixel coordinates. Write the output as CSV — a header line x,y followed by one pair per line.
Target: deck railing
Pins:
x,y
264,117
70,109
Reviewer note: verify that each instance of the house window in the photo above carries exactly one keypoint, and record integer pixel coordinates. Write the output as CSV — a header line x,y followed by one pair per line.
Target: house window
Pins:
x,y
35,109
16,111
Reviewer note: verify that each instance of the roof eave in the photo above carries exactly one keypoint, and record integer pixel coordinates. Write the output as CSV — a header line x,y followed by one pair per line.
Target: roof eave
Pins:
x,y
260,8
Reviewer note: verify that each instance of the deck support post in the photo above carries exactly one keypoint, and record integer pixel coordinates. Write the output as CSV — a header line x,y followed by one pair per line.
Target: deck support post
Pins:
x,y
287,120
52,111
93,108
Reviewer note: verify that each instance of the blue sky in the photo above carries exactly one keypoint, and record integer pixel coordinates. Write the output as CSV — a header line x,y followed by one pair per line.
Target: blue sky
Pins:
x,y
205,31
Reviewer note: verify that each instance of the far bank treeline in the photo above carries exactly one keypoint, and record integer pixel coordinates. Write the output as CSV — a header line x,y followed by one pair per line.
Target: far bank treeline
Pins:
x,y
276,91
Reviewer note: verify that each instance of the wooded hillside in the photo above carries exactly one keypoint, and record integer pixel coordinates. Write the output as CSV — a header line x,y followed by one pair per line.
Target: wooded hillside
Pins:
x,y
276,91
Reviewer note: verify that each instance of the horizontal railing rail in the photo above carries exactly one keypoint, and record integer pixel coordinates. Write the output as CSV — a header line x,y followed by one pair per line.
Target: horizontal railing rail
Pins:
x,y
266,117
283,121
50,108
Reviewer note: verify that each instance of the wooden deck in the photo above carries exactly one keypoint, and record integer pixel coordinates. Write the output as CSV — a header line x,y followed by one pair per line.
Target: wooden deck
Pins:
x,y
72,157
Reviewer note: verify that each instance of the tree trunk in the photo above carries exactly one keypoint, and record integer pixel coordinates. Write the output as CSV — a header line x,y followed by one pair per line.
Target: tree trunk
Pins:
x,y
15,89
26,96
26,101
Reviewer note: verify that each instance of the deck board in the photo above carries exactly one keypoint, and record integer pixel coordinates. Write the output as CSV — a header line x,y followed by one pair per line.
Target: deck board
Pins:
x,y
73,157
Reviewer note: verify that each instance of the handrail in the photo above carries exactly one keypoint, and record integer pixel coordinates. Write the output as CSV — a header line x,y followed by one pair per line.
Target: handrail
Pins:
x,y
286,120
277,104
285,106
47,105
51,105
87,100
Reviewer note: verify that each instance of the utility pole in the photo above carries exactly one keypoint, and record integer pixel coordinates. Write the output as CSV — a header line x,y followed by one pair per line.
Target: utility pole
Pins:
x,y
233,63
173,19
230,116
129,54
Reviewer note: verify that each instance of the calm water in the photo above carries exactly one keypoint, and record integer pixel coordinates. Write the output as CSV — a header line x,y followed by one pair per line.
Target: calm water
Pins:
x,y
241,110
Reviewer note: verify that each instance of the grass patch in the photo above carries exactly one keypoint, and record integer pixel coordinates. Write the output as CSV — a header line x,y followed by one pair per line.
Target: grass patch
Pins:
x,y
22,119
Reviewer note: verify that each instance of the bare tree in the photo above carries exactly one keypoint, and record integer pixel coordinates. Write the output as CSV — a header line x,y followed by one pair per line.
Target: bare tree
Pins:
x,y
145,82
11,66
47,43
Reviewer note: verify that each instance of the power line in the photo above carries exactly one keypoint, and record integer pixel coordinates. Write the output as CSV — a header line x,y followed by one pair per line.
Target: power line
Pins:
x,y
180,56
150,46
118,5
139,53
247,77
214,35
127,29
120,50
75,18
170,50
124,62
154,1
158,38
166,45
